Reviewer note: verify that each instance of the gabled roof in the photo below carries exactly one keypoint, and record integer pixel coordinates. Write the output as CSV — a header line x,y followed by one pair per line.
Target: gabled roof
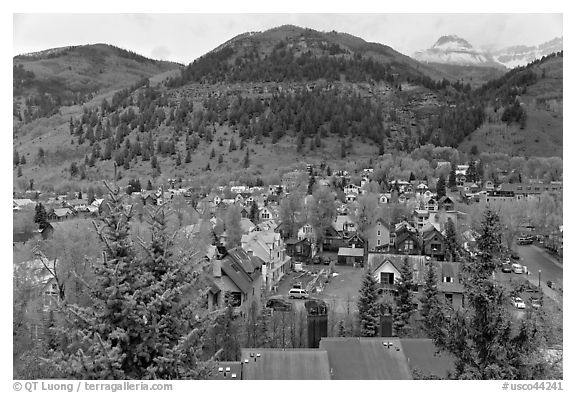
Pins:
x,y
366,358
418,263
423,356
284,364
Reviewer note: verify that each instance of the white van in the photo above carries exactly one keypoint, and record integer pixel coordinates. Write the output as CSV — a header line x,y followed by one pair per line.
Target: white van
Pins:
x,y
517,268
298,293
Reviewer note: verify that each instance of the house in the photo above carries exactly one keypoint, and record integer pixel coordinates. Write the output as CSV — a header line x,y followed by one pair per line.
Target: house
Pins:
x,y
384,358
351,197
268,246
265,214
420,218
431,205
421,188
407,241
344,224
239,199
445,203
237,276
333,239
300,249
266,226
244,212
460,180
149,198
20,203
386,268
378,235
384,198
433,243
306,232
351,189
489,185
351,256
284,364
60,214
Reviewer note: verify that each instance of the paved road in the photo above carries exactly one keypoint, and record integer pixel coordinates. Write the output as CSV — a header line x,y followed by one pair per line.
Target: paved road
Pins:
x,y
536,259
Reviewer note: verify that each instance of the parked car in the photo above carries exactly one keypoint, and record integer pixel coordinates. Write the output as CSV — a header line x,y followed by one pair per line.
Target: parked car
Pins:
x,y
297,293
514,255
536,302
327,261
517,268
524,241
279,304
317,260
506,268
518,302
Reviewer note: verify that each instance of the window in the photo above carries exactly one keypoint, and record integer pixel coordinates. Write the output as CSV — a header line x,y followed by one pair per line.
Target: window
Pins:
x,y
387,278
378,234
378,241
447,279
435,246
448,297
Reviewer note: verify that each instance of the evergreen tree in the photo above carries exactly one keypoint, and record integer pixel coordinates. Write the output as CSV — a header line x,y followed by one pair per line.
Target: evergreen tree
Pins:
x,y
212,153
178,160
481,337
226,332
471,173
430,300
405,305
452,247
188,158
254,212
149,185
220,159
16,158
141,322
80,194
19,172
246,162
90,197
23,159
452,177
441,187
232,145
40,216
368,307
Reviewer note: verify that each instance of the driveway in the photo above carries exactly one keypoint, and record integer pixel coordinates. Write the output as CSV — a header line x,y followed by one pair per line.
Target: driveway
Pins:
x,y
535,259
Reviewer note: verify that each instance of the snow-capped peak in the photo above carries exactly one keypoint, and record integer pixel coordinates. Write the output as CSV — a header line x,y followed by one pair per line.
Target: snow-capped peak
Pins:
x,y
451,49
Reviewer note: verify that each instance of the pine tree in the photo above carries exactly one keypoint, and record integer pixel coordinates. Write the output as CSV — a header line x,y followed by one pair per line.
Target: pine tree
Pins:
x,y
254,212
149,186
188,158
212,153
178,160
23,159
481,337
140,323
16,158
452,247
471,173
441,187
452,177
246,162
40,216
405,305
368,307
19,172
430,300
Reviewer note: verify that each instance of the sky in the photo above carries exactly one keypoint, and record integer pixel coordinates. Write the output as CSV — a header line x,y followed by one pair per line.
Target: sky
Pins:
x,y
185,37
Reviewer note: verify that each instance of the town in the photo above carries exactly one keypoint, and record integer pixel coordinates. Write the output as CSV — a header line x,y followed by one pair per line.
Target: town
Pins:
x,y
315,235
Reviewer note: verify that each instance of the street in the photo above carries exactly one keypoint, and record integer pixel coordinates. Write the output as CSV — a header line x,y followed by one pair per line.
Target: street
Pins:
x,y
536,259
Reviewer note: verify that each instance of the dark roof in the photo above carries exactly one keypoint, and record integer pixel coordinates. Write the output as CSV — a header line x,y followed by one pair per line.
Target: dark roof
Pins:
x,y
421,354
226,370
430,233
366,358
239,267
289,364
292,241
404,235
